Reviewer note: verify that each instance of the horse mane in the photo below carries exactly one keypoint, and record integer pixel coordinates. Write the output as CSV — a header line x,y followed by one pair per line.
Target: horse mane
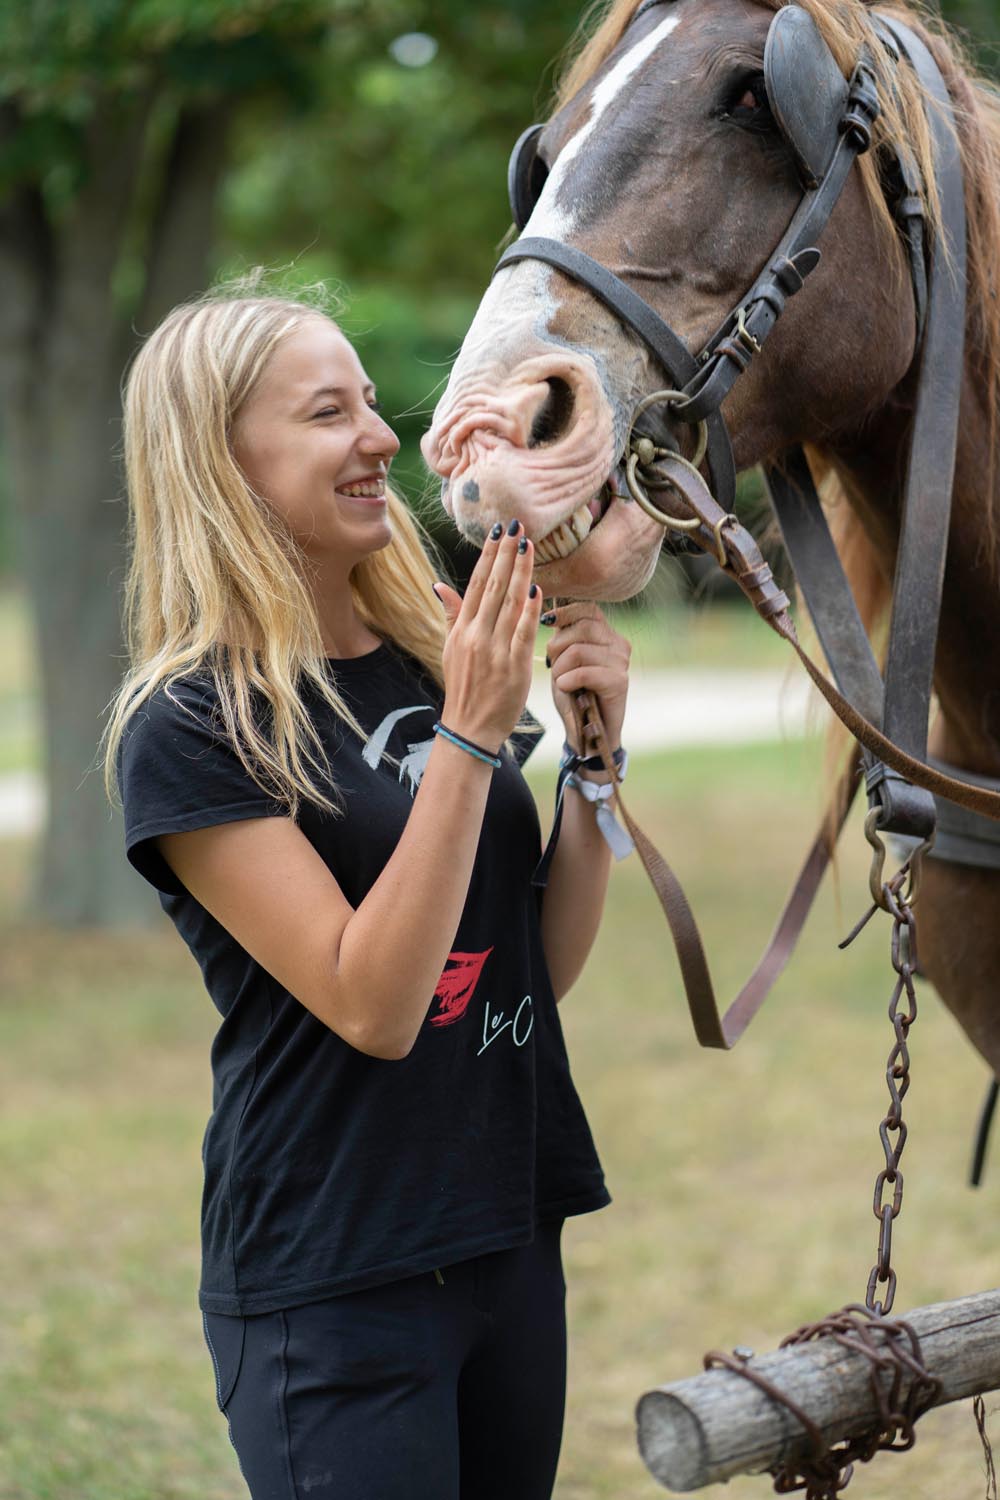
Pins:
x,y
847,27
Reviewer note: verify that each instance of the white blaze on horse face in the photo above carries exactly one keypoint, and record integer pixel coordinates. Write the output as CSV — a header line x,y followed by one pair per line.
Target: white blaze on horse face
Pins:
x,y
520,297
479,440
549,220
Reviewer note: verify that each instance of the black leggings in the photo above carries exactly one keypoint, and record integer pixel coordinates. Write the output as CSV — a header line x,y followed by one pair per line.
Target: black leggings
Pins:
x,y
418,1390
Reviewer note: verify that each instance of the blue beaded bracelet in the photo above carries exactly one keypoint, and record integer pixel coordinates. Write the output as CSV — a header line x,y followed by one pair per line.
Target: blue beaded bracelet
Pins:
x,y
468,746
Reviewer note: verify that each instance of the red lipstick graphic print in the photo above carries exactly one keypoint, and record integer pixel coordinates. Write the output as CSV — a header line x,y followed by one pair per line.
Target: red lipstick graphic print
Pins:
x,y
457,986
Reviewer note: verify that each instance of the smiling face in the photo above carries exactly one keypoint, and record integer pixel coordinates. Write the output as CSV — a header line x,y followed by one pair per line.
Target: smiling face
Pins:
x,y
311,443
669,169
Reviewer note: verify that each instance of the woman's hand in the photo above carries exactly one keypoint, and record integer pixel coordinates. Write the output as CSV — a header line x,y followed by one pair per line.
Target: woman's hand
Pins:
x,y
491,640
585,652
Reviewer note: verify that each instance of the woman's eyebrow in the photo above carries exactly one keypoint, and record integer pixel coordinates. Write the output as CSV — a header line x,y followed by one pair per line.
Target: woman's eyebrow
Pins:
x,y
338,390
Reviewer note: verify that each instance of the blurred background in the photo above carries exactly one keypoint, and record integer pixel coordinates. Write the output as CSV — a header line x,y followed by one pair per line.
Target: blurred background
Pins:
x,y
148,147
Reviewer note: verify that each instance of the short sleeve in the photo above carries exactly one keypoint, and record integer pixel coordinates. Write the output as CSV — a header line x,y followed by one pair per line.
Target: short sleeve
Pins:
x,y
177,771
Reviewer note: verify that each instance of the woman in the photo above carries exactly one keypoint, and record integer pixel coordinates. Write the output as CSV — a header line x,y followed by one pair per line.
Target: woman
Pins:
x,y
311,755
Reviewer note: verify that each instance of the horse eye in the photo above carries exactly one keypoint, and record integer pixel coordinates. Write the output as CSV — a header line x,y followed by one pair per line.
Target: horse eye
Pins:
x,y
749,100
747,104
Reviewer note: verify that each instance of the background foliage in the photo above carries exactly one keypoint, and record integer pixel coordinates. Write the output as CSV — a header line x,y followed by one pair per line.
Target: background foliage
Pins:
x,y
148,146
345,164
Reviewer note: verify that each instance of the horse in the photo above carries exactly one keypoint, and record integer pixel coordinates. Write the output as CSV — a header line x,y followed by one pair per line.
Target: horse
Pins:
x,y
664,161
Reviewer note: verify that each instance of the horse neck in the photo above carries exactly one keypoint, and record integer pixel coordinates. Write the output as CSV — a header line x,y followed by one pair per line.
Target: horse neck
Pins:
x,y
967,668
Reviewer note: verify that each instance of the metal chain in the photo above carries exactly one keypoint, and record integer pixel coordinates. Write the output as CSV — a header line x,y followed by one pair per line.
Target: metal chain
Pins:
x,y
892,1131
901,1386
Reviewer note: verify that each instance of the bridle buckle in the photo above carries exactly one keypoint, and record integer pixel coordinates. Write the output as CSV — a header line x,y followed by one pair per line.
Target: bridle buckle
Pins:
x,y
751,344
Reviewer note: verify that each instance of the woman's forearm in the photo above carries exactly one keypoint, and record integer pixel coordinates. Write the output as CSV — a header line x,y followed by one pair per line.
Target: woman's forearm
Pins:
x,y
574,896
394,946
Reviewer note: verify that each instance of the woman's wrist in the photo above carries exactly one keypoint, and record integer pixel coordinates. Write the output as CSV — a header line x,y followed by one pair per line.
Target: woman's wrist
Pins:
x,y
473,748
588,765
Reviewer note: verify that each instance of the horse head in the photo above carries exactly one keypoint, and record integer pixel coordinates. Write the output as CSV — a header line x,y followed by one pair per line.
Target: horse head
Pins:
x,y
667,162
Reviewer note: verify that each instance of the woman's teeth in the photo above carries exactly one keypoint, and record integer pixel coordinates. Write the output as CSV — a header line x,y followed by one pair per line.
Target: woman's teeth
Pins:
x,y
372,488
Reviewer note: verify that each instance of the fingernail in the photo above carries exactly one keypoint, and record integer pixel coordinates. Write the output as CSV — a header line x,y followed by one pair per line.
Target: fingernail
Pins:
x,y
512,529
549,617
533,591
548,663
522,546
497,532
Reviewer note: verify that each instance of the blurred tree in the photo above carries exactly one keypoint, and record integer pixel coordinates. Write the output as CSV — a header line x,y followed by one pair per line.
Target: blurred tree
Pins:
x,y
117,121
114,123
364,140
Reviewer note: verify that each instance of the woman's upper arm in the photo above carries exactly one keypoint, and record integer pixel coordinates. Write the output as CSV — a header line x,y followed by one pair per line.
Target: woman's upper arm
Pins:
x,y
265,883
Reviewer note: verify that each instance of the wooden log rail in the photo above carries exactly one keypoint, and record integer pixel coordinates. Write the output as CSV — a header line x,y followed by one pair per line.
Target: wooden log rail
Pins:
x,y
707,1429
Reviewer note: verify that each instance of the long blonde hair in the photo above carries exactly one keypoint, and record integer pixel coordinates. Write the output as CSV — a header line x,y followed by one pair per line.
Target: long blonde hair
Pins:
x,y
216,584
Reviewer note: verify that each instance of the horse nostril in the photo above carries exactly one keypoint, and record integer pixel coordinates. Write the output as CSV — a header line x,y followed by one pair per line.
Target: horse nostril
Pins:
x,y
553,416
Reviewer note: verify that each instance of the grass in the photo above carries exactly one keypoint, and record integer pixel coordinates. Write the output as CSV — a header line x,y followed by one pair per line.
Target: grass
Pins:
x,y
742,1182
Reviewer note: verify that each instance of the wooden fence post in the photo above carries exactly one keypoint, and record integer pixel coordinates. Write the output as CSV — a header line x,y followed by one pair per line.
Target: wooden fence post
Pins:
x,y
706,1429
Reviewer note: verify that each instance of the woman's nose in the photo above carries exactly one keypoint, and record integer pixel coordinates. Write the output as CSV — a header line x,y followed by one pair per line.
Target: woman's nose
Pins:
x,y
379,437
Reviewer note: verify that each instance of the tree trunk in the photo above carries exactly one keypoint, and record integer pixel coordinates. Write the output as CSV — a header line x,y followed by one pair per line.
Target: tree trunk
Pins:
x,y
66,345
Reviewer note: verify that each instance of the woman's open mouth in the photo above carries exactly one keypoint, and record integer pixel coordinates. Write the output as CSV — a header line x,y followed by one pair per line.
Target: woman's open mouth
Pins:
x,y
569,534
366,489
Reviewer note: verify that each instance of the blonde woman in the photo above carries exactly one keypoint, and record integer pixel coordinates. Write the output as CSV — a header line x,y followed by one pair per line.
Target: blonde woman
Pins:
x,y
313,757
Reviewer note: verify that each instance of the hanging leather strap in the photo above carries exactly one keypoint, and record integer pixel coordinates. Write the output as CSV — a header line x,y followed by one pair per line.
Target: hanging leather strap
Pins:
x,y
923,541
744,563
710,1027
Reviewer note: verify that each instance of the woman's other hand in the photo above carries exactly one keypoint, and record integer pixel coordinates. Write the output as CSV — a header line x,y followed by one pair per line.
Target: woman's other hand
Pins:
x,y
491,640
586,653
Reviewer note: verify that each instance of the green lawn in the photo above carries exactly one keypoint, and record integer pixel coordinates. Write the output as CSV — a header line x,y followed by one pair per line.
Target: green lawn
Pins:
x,y
742,1182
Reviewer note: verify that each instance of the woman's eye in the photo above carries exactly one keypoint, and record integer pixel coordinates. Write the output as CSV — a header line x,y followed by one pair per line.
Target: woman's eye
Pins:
x,y
375,406
328,411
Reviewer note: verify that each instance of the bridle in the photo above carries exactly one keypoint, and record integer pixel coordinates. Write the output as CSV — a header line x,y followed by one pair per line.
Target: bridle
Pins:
x,y
827,121
825,139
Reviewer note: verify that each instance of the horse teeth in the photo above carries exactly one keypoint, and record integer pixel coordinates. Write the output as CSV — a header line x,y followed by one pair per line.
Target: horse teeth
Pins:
x,y
581,522
566,537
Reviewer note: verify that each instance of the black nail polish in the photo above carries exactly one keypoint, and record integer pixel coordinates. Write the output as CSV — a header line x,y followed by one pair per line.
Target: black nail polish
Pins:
x,y
512,529
549,617
548,663
533,591
522,546
497,532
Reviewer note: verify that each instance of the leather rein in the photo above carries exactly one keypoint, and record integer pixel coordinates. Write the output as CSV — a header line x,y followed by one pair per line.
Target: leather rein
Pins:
x,y
888,719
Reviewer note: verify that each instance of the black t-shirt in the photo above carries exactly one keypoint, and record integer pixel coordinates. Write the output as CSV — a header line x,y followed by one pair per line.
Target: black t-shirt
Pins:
x,y
327,1170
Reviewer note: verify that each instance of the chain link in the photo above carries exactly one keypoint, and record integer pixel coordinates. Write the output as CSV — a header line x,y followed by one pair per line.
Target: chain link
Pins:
x,y
888,1197
902,1388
